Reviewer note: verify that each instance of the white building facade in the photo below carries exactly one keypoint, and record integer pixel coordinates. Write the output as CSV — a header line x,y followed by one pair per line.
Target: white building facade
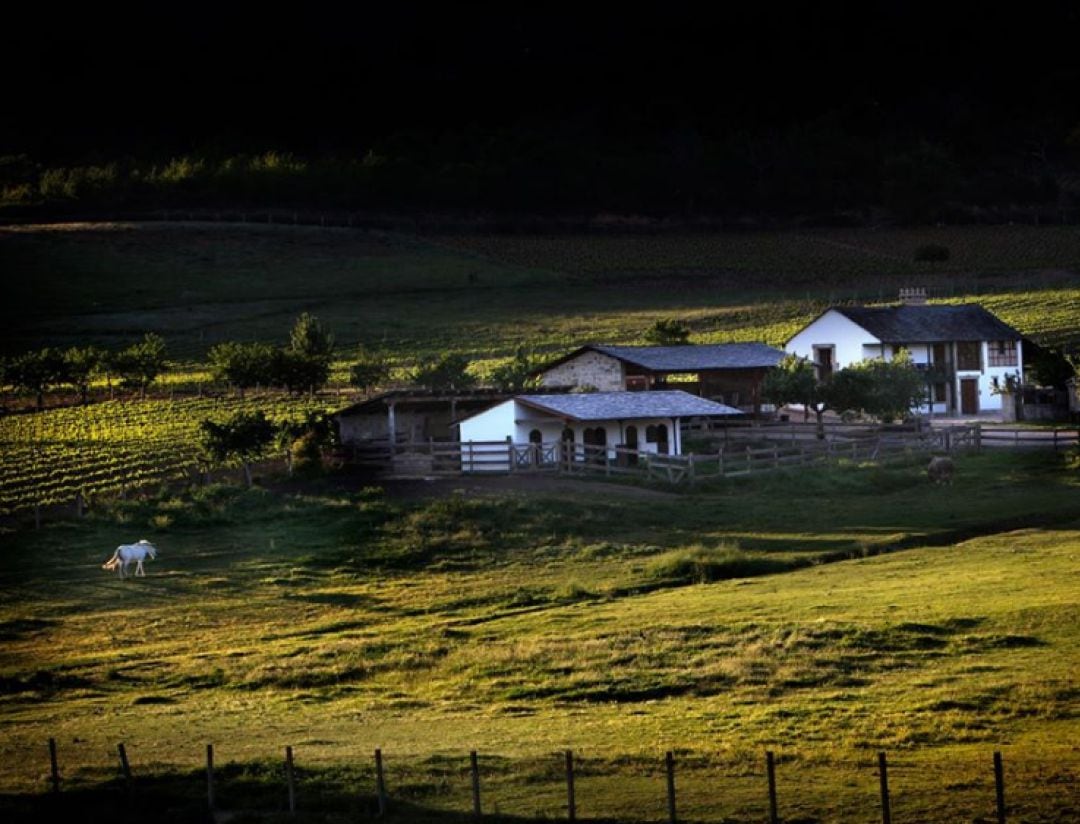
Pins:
x,y
964,350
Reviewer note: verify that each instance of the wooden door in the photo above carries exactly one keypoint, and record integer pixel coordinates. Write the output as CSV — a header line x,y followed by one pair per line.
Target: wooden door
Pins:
x,y
969,396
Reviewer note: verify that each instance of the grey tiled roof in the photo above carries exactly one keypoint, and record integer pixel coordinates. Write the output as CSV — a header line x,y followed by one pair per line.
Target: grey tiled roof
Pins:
x,y
928,324
597,406
696,357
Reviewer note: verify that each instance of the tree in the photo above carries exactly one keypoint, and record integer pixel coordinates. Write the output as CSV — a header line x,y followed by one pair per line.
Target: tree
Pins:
x,y
298,372
793,381
668,333
447,372
243,365
244,437
35,372
309,352
303,441
885,389
308,337
888,390
369,370
139,365
81,364
517,374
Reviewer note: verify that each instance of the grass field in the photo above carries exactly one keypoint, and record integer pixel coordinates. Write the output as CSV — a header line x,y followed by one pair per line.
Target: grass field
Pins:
x,y
339,619
485,295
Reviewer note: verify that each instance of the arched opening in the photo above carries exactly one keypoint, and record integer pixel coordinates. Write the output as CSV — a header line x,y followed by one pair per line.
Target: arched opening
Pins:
x,y
595,440
662,439
631,442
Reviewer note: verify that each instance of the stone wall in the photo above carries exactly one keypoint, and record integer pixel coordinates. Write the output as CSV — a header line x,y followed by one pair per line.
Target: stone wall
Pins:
x,y
595,369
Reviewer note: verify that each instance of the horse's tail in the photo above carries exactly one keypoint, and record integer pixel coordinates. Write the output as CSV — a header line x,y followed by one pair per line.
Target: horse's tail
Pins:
x,y
113,561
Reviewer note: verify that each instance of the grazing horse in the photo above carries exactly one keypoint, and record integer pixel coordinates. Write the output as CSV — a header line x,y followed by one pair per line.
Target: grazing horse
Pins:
x,y
126,553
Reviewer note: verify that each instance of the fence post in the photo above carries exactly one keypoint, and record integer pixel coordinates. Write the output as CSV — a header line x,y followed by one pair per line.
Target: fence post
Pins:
x,y
290,780
999,785
883,775
571,808
720,460
124,766
510,457
380,783
978,436
770,768
210,776
54,766
669,760
475,766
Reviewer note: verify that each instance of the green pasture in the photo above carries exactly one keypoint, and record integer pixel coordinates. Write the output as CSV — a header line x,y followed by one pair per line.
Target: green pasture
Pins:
x,y
776,613
485,295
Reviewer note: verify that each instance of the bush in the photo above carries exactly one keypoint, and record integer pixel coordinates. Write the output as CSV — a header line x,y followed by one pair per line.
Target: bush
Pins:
x,y
700,565
306,454
932,253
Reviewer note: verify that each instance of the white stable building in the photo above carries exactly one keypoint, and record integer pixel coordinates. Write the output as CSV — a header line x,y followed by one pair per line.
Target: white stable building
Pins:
x,y
603,422
962,348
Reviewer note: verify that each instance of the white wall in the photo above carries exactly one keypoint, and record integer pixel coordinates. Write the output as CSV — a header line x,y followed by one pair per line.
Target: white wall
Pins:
x,y
493,424
833,329
489,430
604,372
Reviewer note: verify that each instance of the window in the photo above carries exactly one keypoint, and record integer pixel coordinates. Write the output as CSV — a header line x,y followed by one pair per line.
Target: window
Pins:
x,y
968,355
939,393
1002,353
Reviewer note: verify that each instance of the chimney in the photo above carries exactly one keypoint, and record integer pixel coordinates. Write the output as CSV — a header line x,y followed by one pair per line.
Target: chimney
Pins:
x,y
913,296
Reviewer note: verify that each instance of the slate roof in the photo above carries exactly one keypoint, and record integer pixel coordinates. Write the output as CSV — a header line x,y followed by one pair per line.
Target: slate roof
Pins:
x,y
929,324
689,358
604,406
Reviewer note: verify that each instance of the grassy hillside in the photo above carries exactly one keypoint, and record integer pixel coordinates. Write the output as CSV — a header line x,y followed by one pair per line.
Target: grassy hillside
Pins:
x,y
338,621
485,295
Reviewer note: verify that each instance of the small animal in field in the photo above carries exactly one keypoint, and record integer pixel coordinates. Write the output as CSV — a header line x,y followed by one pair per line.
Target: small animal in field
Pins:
x,y
127,553
941,470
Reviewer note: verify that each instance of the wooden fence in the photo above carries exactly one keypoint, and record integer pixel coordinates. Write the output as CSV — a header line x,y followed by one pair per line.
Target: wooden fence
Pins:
x,y
751,451
382,800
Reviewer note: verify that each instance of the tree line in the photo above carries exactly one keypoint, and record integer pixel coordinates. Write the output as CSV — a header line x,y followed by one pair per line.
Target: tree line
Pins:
x,y
818,170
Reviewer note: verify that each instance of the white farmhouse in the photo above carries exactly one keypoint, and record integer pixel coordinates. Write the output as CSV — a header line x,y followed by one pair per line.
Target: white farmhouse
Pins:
x,y
962,348
602,422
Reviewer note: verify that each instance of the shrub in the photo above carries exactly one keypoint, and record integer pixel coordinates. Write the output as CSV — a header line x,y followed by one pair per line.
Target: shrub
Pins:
x,y
700,565
932,253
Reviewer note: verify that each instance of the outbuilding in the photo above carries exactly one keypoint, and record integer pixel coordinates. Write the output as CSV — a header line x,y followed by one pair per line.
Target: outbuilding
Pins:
x,y
730,373
587,425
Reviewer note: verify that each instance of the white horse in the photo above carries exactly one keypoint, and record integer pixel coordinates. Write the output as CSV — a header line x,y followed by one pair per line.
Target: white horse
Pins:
x,y
126,553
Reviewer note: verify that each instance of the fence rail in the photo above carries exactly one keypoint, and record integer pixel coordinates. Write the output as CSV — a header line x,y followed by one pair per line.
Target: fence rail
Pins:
x,y
739,455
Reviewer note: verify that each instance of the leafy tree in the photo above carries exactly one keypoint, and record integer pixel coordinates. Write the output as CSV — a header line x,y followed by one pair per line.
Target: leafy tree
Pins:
x,y
447,372
1048,367
517,374
244,437
139,365
793,381
668,333
308,337
298,372
308,354
35,372
81,364
243,365
303,440
369,370
885,389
